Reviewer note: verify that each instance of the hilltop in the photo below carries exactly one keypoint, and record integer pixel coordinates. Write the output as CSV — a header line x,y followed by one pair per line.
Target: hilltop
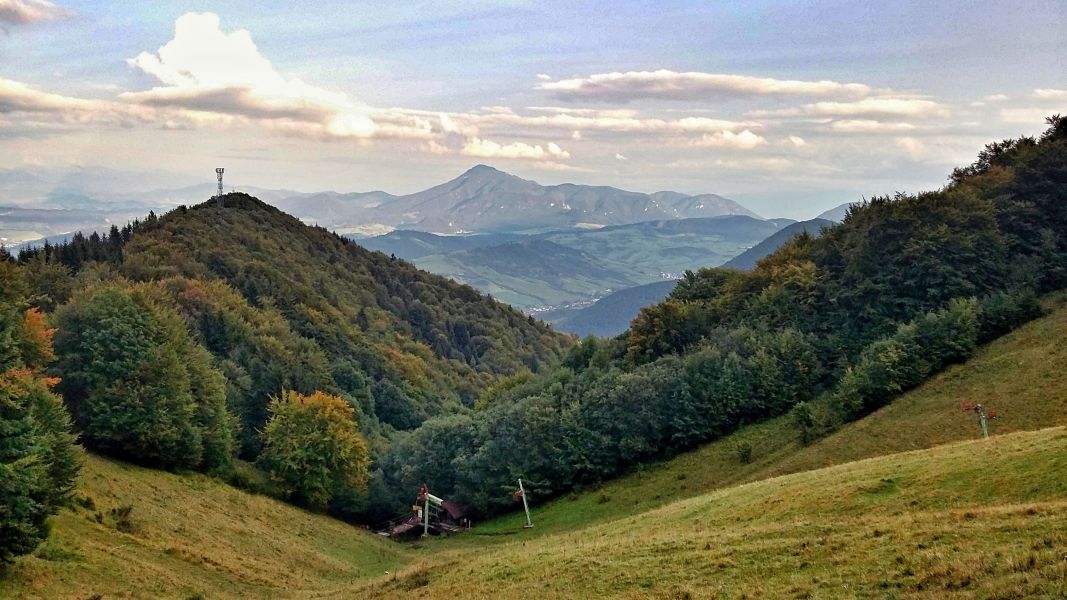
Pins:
x,y
280,305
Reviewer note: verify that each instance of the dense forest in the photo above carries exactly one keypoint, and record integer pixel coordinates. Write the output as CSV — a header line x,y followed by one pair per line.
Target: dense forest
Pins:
x,y
827,328
231,338
179,335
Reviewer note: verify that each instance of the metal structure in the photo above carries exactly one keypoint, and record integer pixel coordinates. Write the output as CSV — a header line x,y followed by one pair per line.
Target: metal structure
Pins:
x,y
525,506
983,416
218,172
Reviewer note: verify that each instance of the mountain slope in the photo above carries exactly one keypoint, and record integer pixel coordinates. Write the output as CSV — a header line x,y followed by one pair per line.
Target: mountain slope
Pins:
x,y
411,245
1001,375
421,342
532,272
748,259
837,213
611,315
191,534
576,265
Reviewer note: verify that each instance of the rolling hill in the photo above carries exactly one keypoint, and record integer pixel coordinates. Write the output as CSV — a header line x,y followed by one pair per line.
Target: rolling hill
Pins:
x,y
749,258
981,518
140,533
611,315
1000,375
573,265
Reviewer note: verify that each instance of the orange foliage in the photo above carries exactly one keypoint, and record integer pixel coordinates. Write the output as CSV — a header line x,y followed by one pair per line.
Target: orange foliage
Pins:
x,y
38,338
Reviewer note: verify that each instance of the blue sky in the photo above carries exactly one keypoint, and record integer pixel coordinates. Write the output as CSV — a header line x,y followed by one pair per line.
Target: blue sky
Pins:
x,y
789,107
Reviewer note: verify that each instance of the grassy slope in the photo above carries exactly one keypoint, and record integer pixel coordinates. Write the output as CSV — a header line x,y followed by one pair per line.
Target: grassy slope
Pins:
x,y
193,535
1023,375
984,518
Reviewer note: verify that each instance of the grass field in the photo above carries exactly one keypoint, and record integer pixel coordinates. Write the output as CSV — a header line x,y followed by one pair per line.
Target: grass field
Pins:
x,y
973,518
977,519
188,535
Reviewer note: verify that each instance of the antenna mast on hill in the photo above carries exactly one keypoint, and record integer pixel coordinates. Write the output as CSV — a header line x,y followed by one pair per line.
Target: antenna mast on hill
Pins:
x,y
218,196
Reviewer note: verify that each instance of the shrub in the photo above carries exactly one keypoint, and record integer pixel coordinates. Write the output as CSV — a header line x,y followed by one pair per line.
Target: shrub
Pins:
x,y
743,450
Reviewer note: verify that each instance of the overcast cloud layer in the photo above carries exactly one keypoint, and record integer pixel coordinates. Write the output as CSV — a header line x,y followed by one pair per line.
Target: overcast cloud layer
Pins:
x,y
253,95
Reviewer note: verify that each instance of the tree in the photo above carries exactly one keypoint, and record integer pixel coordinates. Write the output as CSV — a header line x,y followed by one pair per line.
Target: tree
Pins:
x,y
312,447
39,460
137,384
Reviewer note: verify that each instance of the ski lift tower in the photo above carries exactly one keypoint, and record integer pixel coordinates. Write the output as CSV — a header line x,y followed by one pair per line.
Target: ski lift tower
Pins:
x,y
218,173
983,414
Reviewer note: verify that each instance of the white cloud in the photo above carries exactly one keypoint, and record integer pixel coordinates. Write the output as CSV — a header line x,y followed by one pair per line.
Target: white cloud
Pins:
x,y
796,141
996,98
880,106
1050,94
620,157
576,135
746,140
206,69
869,126
911,147
672,85
483,148
24,12
1029,116
544,77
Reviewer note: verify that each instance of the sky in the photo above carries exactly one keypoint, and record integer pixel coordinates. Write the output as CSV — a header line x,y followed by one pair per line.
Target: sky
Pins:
x,y
788,107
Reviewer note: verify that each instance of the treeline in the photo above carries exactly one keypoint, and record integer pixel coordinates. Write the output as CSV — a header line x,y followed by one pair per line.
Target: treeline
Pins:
x,y
829,328
95,247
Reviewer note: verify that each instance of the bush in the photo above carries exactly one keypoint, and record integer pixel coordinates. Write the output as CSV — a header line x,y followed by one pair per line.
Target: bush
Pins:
x,y
312,448
1002,312
743,450
804,421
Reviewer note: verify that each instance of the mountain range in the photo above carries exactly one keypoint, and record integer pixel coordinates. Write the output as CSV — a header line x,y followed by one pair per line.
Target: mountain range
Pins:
x,y
483,199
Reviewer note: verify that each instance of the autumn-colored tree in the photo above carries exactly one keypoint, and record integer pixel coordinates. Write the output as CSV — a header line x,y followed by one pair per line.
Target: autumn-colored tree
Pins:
x,y
313,449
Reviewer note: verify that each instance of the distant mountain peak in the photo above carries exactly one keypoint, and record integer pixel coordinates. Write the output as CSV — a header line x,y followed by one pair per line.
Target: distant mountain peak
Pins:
x,y
482,169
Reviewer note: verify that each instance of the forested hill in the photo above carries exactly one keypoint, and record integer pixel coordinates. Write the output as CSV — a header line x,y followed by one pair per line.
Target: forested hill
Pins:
x,y
282,305
357,305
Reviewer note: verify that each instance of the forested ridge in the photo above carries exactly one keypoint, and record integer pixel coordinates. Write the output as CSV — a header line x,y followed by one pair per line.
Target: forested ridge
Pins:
x,y
175,334
827,329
